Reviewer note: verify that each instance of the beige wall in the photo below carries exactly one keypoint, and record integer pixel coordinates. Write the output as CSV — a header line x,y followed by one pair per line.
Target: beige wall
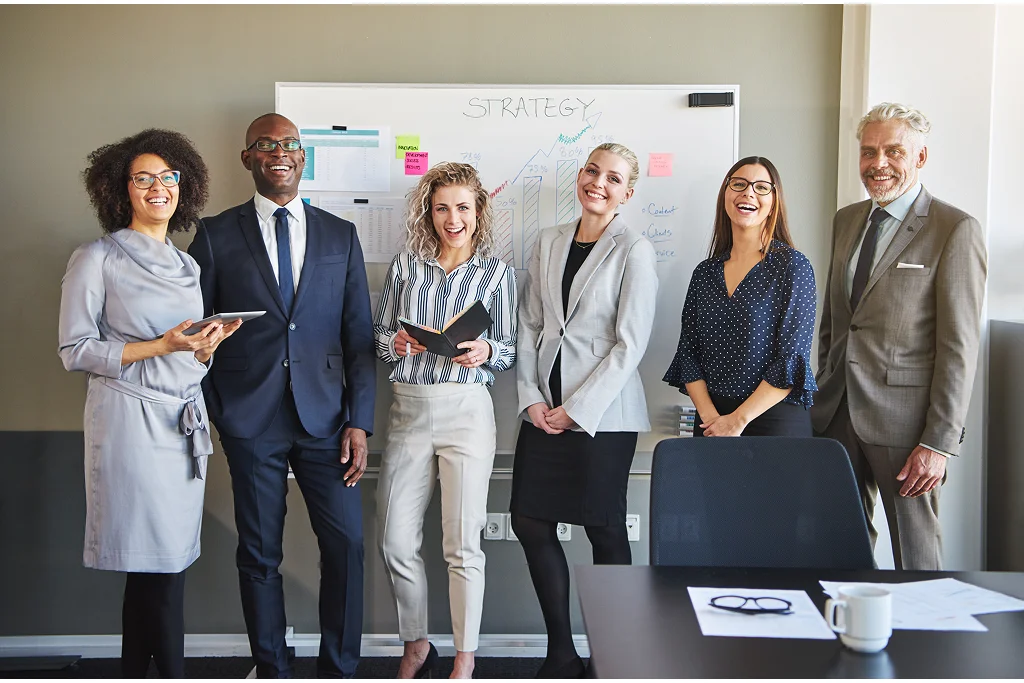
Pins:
x,y
74,78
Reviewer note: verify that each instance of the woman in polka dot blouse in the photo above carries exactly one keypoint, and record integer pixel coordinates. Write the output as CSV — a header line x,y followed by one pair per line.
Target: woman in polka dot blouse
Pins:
x,y
745,344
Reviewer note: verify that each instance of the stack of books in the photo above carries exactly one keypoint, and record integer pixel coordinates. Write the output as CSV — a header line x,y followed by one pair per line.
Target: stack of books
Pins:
x,y
687,417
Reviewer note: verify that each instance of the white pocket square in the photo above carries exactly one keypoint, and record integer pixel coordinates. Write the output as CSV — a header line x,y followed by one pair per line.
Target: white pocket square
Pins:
x,y
901,264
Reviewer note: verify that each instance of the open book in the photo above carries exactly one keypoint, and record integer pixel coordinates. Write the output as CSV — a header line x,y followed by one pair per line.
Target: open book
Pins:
x,y
466,326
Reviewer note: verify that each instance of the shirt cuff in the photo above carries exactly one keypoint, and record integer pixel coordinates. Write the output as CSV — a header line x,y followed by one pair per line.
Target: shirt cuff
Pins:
x,y
940,452
494,352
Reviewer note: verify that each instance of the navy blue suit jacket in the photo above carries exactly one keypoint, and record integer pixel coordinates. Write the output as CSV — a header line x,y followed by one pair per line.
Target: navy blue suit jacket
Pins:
x,y
324,347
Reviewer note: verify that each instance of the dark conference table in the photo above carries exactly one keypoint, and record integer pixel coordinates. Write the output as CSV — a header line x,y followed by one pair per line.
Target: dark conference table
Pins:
x,y
640,624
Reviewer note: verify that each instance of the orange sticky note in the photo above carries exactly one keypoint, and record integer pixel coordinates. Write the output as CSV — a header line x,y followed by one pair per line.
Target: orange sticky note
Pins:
x,y
415,163
659,165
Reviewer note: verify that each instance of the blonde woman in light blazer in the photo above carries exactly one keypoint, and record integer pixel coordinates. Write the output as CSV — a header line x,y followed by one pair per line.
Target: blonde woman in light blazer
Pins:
x,y
584,326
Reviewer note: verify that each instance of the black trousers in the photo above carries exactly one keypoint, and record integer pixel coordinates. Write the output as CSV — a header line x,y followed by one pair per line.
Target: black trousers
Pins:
x,y
259,482
153,625
782,419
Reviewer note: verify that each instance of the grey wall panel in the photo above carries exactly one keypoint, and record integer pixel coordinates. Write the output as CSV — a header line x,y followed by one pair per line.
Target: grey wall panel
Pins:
x,y
1004,537
44,590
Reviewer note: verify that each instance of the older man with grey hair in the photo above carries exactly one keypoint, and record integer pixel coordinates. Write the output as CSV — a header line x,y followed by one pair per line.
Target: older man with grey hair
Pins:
x,y
899,334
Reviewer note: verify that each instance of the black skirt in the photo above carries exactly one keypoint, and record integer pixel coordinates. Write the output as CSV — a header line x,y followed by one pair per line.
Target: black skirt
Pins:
x,y
572,477
782,419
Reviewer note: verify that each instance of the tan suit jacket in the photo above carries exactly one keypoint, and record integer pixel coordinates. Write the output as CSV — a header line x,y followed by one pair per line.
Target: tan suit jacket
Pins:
x,y
906,358
603,336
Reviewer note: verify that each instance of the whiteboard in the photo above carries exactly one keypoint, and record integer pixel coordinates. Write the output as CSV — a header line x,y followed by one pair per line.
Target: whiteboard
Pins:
x,y
528,143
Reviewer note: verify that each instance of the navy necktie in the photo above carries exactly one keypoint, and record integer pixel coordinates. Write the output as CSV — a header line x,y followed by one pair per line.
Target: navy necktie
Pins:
x,y
284,258
867,257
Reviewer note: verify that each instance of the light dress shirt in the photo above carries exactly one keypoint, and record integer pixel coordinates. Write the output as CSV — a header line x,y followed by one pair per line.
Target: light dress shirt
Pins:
x,y
296,232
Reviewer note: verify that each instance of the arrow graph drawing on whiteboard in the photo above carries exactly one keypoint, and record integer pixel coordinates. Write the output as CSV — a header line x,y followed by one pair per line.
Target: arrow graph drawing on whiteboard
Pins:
x,y
503,222
565,197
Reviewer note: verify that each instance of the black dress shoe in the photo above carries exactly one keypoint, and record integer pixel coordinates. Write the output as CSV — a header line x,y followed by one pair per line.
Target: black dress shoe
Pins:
x,y
574,668
429,664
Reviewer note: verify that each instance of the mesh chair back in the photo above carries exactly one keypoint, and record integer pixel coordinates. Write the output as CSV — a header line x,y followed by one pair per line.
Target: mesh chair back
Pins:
x,y
756,502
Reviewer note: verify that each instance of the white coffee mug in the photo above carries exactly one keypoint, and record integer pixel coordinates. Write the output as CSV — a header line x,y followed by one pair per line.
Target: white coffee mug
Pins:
x,y
866,622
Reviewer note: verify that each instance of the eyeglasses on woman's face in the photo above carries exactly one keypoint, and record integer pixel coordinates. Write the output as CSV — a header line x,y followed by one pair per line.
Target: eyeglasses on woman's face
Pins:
x,y
167,178
761,187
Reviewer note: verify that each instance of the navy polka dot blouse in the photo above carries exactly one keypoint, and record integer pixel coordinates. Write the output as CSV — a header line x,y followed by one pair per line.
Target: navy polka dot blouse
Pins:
x,y
763,332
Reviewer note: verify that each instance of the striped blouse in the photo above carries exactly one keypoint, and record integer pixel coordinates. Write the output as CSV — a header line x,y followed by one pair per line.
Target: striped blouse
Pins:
x,y
423,292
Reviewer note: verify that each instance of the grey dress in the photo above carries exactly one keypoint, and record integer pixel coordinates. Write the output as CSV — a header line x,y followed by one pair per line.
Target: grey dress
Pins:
x,y
146,439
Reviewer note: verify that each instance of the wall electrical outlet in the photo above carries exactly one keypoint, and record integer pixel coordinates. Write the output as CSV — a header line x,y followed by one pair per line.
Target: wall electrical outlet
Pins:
x,y
494,530
633,527
509,534
564,531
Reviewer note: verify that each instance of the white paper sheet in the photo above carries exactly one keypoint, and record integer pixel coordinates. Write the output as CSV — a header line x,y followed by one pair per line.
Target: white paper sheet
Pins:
x,y
939,604
352,160
805,622
379,223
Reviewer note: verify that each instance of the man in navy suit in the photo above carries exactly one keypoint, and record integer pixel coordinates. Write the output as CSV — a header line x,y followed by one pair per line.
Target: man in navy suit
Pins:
x,y
295,386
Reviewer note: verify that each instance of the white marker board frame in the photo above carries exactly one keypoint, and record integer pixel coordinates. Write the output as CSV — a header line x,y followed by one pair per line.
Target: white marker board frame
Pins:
x,y
528,142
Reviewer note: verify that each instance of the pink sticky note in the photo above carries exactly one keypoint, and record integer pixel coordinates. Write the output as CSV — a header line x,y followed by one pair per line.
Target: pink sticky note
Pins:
x,y
660,165
415,163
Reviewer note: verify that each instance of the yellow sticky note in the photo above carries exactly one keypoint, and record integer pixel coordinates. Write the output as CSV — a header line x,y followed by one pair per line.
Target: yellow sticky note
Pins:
x,y
406,143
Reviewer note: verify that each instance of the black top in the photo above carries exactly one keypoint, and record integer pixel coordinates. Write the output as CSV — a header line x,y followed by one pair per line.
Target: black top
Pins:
x,y
640,624
578,252
762,332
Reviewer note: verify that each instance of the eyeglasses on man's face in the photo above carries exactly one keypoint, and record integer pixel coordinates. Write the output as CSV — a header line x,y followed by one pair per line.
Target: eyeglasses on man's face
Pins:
x,y
288,145
753,606
761,187
144,181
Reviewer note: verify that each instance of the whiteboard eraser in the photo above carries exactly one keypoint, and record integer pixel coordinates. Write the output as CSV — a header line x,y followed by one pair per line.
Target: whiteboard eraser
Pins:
x,y
711,99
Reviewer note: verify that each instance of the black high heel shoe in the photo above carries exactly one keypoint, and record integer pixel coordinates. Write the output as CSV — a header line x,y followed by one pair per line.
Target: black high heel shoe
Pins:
x,y
574,668
429,664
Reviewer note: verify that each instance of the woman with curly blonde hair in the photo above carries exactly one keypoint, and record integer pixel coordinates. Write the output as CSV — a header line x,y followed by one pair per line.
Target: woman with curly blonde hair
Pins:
x,y
441,405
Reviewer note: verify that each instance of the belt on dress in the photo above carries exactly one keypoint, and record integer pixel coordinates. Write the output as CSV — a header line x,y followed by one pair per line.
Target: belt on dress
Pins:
x,y
191,422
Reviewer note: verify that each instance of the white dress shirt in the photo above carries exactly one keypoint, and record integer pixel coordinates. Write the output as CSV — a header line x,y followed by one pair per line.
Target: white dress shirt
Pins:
x,y
296,232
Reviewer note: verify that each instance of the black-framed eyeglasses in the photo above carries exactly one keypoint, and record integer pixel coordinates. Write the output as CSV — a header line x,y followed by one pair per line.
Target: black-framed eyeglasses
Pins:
x,y
761,187
744,605
288,145
144,181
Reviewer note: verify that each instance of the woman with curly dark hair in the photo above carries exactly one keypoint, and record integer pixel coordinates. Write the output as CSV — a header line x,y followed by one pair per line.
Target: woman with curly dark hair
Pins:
x,y
127,300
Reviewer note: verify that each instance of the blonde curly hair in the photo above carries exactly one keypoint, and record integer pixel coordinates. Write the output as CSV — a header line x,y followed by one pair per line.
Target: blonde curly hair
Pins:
x,y
422,240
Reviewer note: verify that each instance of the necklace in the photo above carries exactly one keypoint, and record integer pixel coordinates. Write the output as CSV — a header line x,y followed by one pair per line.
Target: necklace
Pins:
x,y
582,245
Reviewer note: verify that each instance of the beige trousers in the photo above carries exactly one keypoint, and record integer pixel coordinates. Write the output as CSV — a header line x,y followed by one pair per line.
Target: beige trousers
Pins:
x,y
455,422
913,522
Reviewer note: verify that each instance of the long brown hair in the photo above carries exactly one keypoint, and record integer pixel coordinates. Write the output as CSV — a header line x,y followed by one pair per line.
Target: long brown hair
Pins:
x,y
775,225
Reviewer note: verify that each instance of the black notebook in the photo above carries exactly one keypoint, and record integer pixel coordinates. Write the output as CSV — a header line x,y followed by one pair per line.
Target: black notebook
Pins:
x,y
466,326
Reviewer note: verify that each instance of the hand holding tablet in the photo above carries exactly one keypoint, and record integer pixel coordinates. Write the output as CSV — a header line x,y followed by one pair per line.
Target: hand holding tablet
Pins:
x,y
224,318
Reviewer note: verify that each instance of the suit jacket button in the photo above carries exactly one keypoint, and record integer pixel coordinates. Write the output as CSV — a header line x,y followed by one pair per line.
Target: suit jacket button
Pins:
x,y
853,328
291,326
561,333
284,363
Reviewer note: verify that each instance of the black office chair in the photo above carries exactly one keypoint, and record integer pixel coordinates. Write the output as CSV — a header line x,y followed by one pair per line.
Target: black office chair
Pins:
x,y
754,501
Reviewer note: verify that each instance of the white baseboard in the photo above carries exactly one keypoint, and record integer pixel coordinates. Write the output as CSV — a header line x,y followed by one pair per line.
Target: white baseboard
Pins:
x,y
305,644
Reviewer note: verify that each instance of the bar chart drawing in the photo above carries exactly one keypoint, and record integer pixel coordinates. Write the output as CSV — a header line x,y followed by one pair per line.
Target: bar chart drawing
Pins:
x,y
531,214
504,221
565,190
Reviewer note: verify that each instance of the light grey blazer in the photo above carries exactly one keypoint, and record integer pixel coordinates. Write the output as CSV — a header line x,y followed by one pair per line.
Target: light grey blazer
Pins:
x,y
602,337
906,357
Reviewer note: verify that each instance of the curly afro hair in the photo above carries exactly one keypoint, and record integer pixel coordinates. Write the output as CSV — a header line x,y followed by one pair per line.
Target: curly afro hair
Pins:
x,y
106,178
